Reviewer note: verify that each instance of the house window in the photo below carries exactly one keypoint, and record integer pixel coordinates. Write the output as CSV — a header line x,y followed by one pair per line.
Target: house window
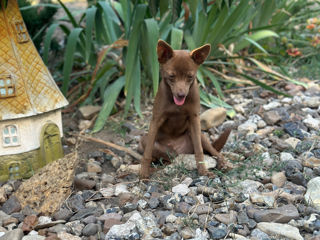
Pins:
x,y
14,171
7,88
10,136
21,31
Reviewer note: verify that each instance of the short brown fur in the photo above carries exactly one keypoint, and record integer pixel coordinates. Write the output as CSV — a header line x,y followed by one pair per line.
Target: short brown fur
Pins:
x,y
175,125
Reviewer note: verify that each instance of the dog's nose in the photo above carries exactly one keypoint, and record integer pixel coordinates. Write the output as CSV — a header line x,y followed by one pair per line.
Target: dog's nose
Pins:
x,y
181,95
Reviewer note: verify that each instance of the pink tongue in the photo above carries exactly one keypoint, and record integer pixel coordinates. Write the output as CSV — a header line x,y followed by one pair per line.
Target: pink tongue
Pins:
x,y
179,102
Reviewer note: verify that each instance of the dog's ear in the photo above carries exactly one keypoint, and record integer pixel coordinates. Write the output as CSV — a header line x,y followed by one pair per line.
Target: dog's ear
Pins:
x,y
164,51
200,54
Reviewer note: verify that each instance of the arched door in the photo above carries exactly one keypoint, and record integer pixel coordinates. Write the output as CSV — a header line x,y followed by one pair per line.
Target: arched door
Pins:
x,y
50,143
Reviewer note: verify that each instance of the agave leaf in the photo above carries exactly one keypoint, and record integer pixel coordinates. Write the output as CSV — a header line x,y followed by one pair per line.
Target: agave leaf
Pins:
x,y
176,38
132,55
90,20
69,57
152,32
110,19
214,81
47,5
263,85
69,14
256,36
175,9
110,96
47,41
275,74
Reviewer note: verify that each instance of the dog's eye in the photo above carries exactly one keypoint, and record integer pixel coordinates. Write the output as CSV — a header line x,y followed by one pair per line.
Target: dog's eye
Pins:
x,y
171,77
190,78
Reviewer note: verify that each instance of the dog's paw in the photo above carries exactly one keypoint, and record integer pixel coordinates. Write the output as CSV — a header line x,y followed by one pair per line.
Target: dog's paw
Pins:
x,y
225,165
144,173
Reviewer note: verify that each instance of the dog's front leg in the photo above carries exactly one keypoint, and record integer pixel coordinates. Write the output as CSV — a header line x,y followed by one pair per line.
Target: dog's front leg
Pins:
x,y
147,155
195,131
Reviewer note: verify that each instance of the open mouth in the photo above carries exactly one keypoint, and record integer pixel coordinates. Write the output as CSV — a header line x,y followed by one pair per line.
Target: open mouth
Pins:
x,y
179,100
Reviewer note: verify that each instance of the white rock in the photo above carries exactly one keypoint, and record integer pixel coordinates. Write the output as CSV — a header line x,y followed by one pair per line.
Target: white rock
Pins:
x,y
312,123
201,235
261,124
107,192
266,159
286,100
187,181
280,229
121,231
200,198
312,195
181,189
171,218
271,105
312,102
248,127
249,186
120,188
142,203
189,161
284,156
292,141
33,237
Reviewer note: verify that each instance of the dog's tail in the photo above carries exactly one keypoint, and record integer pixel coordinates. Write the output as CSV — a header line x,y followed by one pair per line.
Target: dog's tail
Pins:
x,y
221,141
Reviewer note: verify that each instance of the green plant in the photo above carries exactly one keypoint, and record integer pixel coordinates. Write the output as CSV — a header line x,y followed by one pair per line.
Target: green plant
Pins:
x,y
111,47
37,18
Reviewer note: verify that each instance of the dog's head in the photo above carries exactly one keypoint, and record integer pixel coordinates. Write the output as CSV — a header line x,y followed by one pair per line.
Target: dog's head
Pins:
x,y
179,68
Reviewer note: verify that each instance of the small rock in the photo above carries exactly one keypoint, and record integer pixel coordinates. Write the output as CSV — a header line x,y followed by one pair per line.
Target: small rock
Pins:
x,y
76,202
63,214
67,236
266,159
33,237
272,117
83,184
90,229
293,142
189,162
248,127
181,189
94,167
271,105
279,229
311,102
217,232
15,234
312,195
284,156
294,130
266,199
281,214
187,233
171,218
120,188
153,202
259,235
11,205
311,162
29,223
212,117
278,179
202,209
107,192
142,204
312,123
88,111
116,162
3,195
227,218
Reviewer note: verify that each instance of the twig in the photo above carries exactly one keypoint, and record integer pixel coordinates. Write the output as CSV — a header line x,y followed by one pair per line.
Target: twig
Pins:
x,y
115,146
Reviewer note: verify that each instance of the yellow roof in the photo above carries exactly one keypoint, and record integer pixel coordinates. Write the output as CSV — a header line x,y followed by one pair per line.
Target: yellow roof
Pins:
x,y
26,86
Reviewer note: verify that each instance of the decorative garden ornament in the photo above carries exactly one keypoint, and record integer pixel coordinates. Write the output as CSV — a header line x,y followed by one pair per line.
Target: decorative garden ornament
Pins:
x,y
30,101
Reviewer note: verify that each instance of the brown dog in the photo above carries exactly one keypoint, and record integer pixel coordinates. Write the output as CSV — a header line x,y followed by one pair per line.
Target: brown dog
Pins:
x,y
175,125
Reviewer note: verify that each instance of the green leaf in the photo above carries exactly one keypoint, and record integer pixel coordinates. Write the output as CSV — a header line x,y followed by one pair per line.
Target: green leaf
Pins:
x,y
176,38
47,41
164,6
110,20
263,85
110,96
132,55
69,57
90,20
152,32
214,81
153,6
175,9
69,14
256,36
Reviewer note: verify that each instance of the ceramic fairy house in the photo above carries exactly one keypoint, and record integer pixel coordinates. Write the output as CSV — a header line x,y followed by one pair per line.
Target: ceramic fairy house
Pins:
x,y
30,101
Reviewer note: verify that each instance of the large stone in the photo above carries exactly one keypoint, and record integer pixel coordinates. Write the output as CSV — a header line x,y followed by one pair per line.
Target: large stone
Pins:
x,y
264,198
280,229
227,218
47,190
279,215
89,110
67,236
181,189
212,117
312,195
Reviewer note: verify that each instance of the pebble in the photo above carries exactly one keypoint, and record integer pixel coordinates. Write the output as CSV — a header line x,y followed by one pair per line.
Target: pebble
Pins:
x,y
278,179
181,189
281,214
312,195
280,229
